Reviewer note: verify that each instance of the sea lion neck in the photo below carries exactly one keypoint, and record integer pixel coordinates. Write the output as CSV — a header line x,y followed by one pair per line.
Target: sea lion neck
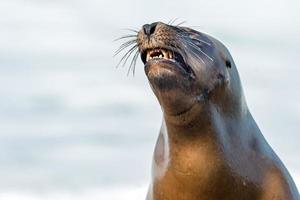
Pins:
x,y
202,117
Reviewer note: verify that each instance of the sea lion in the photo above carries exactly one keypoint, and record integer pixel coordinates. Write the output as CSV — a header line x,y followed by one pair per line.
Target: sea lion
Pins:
x,y
209,146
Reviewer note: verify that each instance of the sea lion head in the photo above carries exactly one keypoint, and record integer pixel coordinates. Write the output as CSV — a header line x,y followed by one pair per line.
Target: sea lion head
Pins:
x,y
188,69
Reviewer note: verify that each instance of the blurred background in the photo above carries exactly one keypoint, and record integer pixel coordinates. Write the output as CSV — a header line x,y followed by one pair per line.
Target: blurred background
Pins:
x,y
72,126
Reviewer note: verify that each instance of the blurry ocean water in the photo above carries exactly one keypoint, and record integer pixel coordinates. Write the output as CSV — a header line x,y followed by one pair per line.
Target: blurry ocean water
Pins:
x,y
72,126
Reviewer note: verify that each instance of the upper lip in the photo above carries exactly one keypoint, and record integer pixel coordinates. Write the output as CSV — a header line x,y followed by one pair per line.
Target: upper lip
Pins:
x,y
166,55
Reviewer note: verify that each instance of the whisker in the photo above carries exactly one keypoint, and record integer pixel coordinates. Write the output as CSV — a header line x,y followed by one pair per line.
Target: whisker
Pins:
x,y
197,56
133,63
183,22
125,37
191,48
136,57
199,49
130,29
127,55
199,40
173,21
212,60
196,47
196,26
169,22
124,46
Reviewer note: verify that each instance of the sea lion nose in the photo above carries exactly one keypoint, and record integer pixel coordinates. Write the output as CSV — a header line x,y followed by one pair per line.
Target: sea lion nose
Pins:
x,y
149,28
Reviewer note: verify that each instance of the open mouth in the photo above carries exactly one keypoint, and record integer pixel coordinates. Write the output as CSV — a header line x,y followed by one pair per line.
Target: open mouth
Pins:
x,y
161,54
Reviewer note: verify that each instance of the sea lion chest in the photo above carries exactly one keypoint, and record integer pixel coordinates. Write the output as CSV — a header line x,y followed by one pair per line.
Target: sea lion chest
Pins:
x,y
189,169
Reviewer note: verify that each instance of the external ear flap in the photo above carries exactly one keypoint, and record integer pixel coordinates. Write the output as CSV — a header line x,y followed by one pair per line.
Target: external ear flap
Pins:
x,y
228,64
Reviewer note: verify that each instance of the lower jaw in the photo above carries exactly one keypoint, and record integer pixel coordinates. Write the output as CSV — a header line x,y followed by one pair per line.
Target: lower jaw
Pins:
x,y
167,81
169,66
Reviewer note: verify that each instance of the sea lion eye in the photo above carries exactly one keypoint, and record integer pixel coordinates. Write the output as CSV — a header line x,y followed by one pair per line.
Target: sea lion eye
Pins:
x,y
228,64
197,43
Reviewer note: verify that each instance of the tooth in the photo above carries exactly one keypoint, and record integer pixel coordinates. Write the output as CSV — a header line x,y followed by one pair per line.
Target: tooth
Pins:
x,y
148,57
160,56
164,53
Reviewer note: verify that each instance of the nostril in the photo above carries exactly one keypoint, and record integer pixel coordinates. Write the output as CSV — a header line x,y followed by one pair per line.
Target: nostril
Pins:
x,y
146,28
152,29
149,29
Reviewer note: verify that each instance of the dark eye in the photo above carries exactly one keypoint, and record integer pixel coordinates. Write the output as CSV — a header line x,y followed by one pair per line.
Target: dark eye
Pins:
x,y
197,43
228,64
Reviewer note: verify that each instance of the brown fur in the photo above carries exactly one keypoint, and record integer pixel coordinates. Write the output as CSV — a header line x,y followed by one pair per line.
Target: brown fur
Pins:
x,y
209,146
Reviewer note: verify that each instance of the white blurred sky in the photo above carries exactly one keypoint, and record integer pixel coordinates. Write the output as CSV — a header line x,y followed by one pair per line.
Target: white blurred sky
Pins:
x,y
68,117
